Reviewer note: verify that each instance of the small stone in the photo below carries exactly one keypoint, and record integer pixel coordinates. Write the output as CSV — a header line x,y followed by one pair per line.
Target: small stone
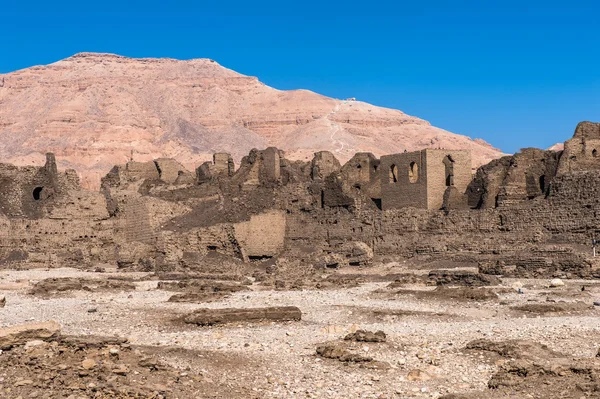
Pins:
x,y
34,343
120,371
418,375
113,351
517,285
88,364
92,310
2,301
23,383
556,282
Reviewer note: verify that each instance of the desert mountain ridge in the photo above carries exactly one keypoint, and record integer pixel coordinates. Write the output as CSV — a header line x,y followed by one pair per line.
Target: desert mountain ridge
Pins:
x,y
95,110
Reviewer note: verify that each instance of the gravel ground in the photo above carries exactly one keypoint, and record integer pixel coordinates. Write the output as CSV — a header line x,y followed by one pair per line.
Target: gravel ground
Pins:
x,y
429,334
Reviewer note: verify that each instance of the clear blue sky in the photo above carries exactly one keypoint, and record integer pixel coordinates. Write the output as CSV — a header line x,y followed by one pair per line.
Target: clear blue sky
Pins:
x,y
516,73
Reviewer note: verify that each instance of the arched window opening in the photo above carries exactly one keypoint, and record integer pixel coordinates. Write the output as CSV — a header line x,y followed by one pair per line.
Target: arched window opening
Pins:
x,y
594,153
449,170
37,192
393,174
413,172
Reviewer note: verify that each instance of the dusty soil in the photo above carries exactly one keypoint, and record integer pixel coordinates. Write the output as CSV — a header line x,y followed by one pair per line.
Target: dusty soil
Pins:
x,y
436,345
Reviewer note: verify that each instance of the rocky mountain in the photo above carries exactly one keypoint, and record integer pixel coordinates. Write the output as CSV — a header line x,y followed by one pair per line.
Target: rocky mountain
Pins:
x,y
557,147
97,110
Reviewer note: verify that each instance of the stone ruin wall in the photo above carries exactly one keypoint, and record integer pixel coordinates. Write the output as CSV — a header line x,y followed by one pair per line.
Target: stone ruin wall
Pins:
x,y
526,211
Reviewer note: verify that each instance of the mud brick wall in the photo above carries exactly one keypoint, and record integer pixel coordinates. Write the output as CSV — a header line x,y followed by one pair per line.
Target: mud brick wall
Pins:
x,y
223,164
136,222
437,173
263,235
397,189
169,169
142,170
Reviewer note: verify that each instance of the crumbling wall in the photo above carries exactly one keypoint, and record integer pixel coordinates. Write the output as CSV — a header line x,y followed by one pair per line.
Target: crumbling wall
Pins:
x,y
582,152
169,170
362,173
323,164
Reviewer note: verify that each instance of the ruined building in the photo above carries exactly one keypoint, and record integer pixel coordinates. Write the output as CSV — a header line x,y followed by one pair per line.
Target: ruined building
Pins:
x,y
532,213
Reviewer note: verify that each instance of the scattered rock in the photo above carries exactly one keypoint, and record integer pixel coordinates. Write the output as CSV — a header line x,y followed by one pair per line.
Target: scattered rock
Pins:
x,y
2,301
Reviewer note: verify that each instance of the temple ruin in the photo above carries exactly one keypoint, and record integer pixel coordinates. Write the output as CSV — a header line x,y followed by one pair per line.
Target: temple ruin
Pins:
x,y
532,213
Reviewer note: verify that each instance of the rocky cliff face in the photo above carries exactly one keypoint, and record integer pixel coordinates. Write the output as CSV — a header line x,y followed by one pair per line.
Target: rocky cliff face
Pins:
x,y
97,110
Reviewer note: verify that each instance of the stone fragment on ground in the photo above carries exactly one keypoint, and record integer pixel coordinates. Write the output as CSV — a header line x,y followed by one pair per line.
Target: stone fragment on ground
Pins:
x,y
556,283
366,336
53,286
462,277
340,351
207,317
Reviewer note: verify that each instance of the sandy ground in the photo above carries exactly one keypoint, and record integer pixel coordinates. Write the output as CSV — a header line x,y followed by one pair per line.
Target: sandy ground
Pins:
x,y
278,360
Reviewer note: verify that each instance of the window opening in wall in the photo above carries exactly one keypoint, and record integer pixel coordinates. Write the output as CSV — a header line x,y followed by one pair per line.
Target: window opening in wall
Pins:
x,y
413,172
594,153
542,182
377,202
393,174
358,166
449,170
37,192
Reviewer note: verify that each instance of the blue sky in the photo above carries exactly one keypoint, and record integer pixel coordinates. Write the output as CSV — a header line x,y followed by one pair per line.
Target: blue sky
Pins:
x,y
515,73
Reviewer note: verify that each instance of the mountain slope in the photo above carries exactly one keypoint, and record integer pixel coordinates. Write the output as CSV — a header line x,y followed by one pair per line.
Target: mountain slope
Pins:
x,y
96,110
